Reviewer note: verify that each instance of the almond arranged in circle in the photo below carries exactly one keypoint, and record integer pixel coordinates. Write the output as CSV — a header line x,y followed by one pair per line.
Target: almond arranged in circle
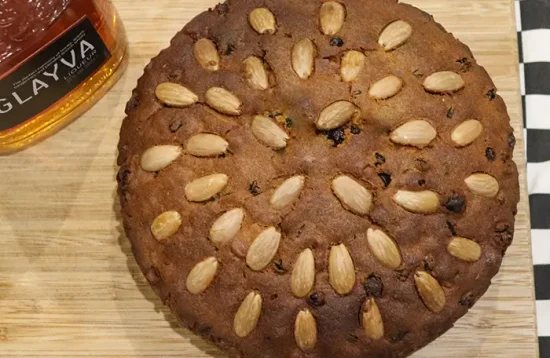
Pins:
x,y
417,133
223,101
202,275
303,58
262,21
303,274
159,157
226,226
384,248
341,269
263,249
269,133
175,95
483,184
443,82
372,320
386,88
337,114
255,74
248,314
430,291
424,202
395,34
287,192
166,225
332,17
206,54
466,132
305,330
352,64
206,145
352,195
205,188
464,249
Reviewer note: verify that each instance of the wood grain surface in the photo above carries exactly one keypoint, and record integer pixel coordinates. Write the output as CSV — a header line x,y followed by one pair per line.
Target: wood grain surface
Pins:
x,y
69,285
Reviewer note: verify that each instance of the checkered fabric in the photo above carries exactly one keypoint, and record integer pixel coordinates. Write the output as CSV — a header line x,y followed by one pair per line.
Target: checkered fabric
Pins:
x,y
533,22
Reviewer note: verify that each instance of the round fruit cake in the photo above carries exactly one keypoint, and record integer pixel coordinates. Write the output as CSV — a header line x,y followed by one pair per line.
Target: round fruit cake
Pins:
x,y
317,178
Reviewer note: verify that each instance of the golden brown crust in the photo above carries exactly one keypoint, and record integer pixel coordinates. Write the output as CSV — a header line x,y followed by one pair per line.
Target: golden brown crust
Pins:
x,y
317,219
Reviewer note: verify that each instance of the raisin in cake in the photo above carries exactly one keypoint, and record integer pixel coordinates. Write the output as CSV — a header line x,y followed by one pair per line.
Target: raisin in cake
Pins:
x,y
317,179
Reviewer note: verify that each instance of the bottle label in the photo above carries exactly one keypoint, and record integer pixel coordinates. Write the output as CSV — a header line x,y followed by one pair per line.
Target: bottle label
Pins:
x,y
51,74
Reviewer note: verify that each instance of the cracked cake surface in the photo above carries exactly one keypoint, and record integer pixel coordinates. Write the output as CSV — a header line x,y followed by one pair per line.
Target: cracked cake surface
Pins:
x,y
317,178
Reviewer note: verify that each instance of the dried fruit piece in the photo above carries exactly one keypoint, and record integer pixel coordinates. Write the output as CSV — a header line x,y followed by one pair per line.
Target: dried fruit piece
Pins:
x,y
337,114
386,88
372,320
303,274
352,64
269,133
430,291
341,269
204,188
248,314
263,249
159,157
417,133
175,95
332,16
443,82
303,58
394,35
464,249
305,330
226,226
206,54
223,101
166,225
483,184
287,192
466,132
384,248
352,195
425,202
262,21
255,74
202,275
206,145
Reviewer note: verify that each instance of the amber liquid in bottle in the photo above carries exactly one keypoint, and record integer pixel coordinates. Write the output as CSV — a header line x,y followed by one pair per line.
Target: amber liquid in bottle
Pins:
x,y
30,29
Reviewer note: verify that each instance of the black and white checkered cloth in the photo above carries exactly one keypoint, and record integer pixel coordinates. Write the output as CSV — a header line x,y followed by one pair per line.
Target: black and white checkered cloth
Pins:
x,y
533,22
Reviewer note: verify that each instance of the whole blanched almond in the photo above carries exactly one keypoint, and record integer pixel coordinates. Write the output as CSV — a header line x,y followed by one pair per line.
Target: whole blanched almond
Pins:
x,y
175,95
352,64
202,275
464,249
287,192
166,225
424,202
303,274
430,291
394,35
443,82
159,157
223,101
263,249
205,188
483,184
386,88
269,133
206,54
466,132
341,269
384,248
305,330
226,226
332,16
255,74
417,133
248,314
372,320
262,21
352,195
337,114
206,145
303,58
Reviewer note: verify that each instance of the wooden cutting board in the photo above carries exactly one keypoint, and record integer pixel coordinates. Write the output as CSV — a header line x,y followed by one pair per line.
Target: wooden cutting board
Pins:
x,y
69,285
